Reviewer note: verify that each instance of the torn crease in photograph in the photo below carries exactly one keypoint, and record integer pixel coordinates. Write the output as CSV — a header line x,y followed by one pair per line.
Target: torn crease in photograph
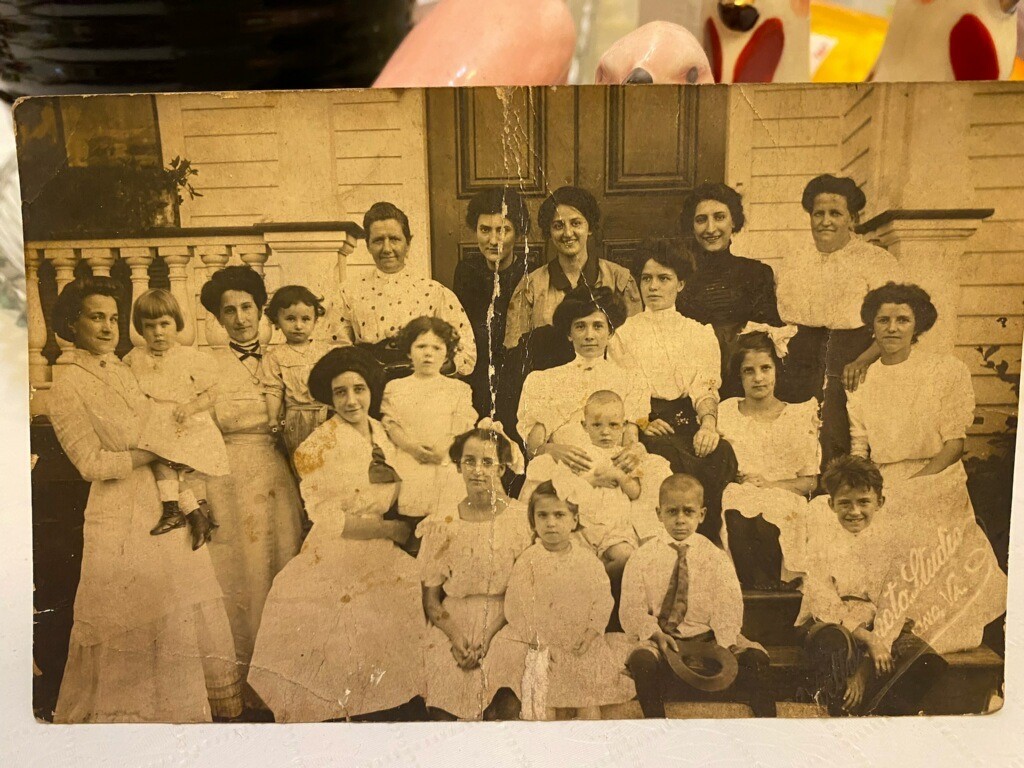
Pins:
x,y
526,403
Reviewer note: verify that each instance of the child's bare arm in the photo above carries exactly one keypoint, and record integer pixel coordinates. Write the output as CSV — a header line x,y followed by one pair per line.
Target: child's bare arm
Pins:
x,y
274,401
630,486
879,651
856,684
435,612
424,454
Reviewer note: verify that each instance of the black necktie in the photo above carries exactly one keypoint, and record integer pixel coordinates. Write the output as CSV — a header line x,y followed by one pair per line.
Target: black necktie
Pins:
x,y
247,350
380,470
673,608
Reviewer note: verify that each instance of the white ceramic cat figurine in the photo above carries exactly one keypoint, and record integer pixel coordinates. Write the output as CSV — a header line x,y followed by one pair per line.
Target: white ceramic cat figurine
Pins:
x,y
758,41
949,40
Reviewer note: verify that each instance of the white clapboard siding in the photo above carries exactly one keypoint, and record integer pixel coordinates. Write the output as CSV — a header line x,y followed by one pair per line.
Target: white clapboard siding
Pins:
x,y
992,283
378,153
286,158
780,138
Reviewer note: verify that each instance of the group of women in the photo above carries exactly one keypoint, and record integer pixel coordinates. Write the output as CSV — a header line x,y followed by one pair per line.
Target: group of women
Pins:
x,y
720,365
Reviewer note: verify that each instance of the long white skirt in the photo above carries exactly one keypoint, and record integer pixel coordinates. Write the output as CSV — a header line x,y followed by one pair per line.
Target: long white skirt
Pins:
x,y
151,641
258,510
949,582
342,633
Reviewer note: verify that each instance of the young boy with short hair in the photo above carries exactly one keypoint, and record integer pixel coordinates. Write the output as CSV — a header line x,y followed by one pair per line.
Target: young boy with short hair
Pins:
x,y
680,592
854,660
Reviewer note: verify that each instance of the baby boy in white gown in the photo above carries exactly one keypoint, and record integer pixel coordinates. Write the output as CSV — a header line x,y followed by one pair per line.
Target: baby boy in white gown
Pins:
x,y
617,509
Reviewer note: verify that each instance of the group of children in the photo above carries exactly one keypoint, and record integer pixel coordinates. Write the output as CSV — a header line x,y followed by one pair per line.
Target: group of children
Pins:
x,y
679,603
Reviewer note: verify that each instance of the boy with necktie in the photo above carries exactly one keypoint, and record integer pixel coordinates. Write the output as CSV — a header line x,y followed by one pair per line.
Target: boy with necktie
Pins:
x,y
681,599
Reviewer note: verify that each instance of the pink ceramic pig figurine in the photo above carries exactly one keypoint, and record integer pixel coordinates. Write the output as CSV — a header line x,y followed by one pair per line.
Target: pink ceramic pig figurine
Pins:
x,y
758,41
659,52
485,42
949,40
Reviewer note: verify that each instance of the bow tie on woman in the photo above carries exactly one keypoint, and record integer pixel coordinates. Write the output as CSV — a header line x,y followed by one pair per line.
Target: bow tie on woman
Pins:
x,y
380,470
245,351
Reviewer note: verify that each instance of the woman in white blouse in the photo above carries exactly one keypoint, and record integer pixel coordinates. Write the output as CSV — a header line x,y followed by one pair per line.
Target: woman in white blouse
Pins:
x,y
910,416
342,630
376,307
680,361
820,289
151,640
776,445
257,505
551,407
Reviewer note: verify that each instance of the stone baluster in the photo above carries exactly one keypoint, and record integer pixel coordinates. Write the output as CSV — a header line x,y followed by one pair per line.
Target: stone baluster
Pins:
x,y
255,255
214,257
138,259
100,260
177,258
38,366
64,261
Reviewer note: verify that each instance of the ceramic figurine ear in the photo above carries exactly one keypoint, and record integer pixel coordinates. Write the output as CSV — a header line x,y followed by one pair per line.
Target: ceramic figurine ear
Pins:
x,y
758,41
485,42
949,40
659,52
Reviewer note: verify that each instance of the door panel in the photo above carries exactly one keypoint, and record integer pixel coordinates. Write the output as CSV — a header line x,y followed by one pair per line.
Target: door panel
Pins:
x,y
639,150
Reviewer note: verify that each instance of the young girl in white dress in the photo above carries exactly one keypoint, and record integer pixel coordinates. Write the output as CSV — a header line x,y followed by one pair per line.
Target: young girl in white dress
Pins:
x,y
778,452
342,629
294,309
423,413
181,386
465,561
553,653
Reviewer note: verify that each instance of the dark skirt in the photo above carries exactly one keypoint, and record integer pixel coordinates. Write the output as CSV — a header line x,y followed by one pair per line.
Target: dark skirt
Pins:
x,y
814,368
714,471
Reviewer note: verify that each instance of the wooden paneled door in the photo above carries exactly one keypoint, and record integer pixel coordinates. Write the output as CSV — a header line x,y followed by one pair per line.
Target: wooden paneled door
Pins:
x,y
638,149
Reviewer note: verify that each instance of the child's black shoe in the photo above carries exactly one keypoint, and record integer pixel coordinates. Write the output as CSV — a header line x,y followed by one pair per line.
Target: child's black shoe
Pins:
x,y
204,507
199,527
171,519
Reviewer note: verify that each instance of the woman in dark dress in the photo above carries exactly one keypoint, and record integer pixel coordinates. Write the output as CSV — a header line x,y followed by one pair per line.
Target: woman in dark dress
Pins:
x,y
727,291
484,283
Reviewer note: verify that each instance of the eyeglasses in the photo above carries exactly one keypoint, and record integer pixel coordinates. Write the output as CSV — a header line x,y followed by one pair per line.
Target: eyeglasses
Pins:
x,y
472,462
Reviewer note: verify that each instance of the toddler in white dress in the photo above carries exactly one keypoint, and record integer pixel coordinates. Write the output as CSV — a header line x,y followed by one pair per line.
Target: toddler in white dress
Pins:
x,y
181,390
285,368
422,415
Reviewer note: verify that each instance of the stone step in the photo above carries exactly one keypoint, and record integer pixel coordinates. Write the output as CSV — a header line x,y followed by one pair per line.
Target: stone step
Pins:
x,y
769,617
971,683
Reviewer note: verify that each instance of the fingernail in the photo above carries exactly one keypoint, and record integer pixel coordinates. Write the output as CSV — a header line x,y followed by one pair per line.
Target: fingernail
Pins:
x,y
638,76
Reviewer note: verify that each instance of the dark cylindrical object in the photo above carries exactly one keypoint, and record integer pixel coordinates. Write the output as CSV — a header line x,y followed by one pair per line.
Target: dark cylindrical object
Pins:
x,y
85,46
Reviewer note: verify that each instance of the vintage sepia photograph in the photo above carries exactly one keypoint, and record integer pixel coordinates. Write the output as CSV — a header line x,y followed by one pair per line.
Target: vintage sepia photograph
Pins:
x,y
536,404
